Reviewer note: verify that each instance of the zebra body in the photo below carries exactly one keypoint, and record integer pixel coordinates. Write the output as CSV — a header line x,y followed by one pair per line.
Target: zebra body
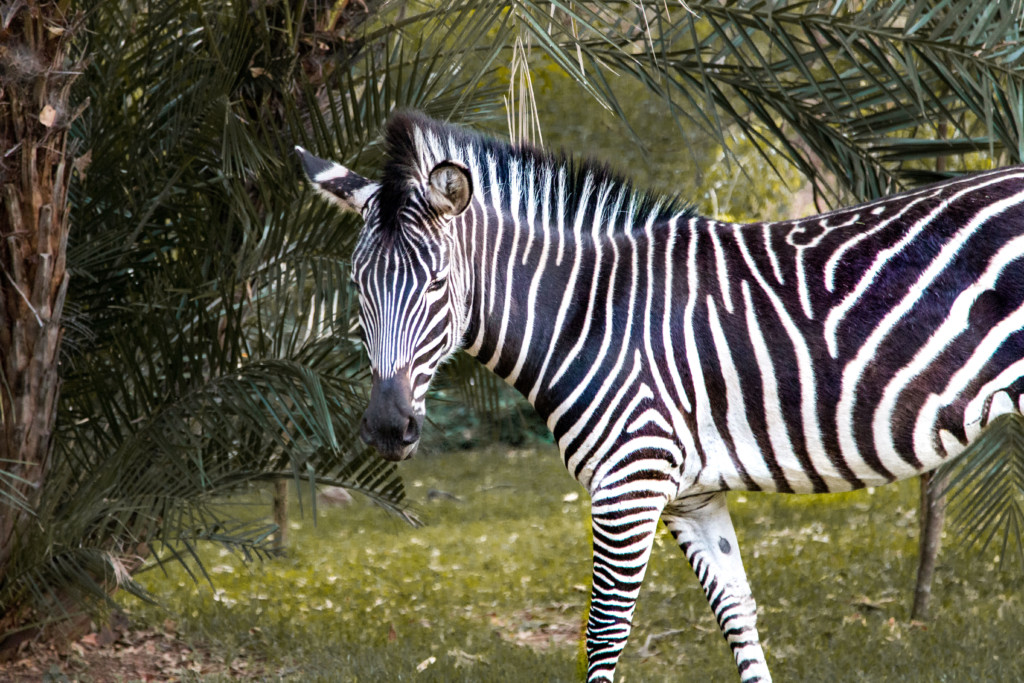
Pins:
x,y
675,357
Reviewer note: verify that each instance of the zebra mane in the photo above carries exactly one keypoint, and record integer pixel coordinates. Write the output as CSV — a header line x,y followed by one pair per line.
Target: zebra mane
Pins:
x,y
415,143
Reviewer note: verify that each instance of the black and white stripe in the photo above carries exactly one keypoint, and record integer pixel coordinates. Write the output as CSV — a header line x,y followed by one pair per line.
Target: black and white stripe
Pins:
x,y
676,357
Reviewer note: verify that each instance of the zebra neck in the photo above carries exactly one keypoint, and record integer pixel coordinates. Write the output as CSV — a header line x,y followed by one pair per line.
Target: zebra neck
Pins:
x,y
554,291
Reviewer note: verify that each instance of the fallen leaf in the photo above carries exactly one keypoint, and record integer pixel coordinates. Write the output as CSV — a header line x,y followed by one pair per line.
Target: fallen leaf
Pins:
x,y
425,663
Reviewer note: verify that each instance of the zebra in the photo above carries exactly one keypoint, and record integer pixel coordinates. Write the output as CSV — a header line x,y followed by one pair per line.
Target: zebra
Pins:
x,y
676,357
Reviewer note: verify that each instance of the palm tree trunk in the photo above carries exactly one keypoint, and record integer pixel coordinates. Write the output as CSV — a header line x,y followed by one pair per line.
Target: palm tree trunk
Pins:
x,y
35,83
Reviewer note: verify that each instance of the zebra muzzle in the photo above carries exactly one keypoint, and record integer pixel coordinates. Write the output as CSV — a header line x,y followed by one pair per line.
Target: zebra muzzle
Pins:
x,y
390,424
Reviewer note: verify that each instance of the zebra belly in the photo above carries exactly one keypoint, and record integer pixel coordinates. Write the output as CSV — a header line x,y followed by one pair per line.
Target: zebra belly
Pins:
x,y
767,418
920,440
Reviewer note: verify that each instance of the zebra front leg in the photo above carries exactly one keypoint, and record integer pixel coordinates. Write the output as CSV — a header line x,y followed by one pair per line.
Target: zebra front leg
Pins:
x,y
702,527
624,529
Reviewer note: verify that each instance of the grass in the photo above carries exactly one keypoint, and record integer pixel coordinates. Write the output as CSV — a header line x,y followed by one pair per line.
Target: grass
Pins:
x,y
362,597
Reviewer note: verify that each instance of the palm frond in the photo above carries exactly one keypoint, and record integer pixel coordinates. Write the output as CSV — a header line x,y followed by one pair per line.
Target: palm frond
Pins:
x,y
834,82
985,490
11,496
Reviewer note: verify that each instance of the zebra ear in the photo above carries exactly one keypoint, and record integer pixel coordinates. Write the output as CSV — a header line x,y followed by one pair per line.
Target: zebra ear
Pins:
x,y
335,182
450,188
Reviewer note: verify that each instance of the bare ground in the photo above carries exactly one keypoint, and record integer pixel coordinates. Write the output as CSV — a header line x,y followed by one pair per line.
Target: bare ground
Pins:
x,y
123,653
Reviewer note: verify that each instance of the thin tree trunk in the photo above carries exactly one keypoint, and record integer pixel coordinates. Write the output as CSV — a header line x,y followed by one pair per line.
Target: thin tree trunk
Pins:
x,y
35,83
281,514
932,516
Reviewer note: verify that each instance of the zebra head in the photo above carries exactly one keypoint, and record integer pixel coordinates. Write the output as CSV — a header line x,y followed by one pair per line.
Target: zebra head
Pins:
x,y
405,269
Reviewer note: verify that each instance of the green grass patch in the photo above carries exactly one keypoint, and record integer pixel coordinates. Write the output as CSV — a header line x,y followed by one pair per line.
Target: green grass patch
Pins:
x,y
494,588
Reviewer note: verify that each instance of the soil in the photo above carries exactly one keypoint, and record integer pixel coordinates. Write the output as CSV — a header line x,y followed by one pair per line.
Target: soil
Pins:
x,y
122,653
542,628
119,653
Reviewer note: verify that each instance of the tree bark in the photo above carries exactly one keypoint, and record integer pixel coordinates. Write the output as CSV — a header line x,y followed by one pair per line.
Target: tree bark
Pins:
x,y
35,83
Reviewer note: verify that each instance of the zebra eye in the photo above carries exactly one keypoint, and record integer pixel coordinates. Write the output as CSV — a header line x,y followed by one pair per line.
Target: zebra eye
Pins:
x,y
436,284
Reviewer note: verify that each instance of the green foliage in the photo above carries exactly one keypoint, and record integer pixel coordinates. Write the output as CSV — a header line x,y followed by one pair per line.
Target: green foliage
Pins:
x,y
361,598
678,161
985,489
864,89
208,334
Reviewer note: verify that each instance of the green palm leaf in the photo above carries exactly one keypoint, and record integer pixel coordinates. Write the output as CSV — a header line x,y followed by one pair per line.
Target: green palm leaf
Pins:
x,y
985,490
830,83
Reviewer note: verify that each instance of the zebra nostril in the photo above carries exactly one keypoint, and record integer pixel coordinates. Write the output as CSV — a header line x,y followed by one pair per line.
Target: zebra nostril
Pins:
x,y
412,432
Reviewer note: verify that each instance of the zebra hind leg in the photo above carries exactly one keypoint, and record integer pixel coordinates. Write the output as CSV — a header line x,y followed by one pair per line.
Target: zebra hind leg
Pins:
x,y
703,529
